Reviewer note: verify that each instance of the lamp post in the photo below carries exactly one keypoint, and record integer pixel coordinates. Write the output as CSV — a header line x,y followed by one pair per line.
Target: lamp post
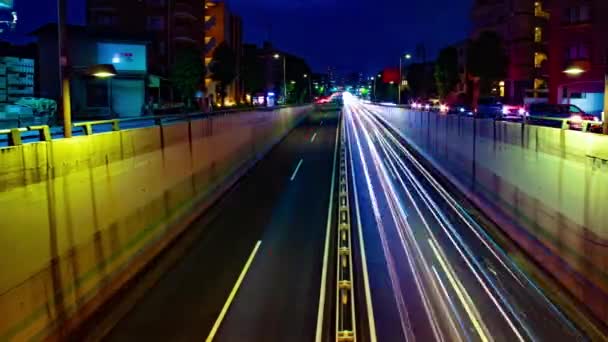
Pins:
x,y
64,82
575,70
375,95
309,86
277,56
407,56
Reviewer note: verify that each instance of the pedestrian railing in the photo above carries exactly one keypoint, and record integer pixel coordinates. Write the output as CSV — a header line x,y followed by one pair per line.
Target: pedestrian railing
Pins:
x,y
14,136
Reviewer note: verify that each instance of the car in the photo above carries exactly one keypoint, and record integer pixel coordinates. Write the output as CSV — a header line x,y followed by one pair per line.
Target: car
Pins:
x,y
553,115
329,103
512,112
489,107
460,109
422,105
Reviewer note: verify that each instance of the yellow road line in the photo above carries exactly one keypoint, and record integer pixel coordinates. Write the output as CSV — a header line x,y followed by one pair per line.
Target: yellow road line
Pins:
x,y
235,289
322,290
459,293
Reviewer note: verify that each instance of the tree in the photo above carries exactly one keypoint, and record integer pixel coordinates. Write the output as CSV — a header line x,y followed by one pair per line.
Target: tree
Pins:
x,y
488,60
446,71
223,68
188,73
420,80
252,70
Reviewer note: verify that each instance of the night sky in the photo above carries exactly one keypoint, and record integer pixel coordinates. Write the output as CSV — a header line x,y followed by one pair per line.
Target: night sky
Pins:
x,y
351,35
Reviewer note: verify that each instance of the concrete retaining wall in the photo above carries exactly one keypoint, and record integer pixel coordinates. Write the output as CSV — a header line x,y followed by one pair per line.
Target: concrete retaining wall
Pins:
x,y
80,216
546,187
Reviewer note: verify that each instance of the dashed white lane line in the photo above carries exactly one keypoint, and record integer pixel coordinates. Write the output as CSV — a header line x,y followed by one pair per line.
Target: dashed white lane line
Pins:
x,y
295,172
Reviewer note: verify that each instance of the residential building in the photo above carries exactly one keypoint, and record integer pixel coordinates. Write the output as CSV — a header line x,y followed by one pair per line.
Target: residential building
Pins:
x,y
579,44
120,96
223,26
18,71
523,26
170,24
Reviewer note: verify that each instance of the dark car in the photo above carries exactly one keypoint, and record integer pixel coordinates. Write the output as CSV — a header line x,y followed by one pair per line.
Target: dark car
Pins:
x,y
489,107
329,103
558,115
460,109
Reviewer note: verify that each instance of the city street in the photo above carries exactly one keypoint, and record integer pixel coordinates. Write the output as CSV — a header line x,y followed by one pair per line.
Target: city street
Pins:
x,y
435,274
270,230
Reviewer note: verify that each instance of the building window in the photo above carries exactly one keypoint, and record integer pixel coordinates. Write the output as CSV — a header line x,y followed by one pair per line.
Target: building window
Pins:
x,y
161,48
577,14
538,10
539,58
155,3
538,34
155,23
577,51
105,20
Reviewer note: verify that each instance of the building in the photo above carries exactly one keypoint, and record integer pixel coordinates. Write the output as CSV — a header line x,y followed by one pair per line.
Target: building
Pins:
x,y
170,24
223,26
579,45
120,96
18,72
523,26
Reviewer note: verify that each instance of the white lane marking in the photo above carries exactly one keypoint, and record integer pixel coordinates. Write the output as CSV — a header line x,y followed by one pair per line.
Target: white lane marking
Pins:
x,y
321,309
368,295
313,137
235,289
321,124
295,172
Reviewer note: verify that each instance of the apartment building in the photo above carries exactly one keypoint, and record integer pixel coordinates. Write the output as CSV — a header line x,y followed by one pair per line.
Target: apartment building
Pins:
x,y
223,26
523,25
578,52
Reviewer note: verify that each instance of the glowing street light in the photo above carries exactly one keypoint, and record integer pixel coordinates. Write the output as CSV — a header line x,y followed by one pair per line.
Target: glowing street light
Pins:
x,y
408,56
277,56
574,71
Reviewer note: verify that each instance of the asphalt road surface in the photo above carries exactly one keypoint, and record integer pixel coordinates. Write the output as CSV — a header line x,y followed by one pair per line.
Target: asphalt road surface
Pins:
x,y
434,273
255,273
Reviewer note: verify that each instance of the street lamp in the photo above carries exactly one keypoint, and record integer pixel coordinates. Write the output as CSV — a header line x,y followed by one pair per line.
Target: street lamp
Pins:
x,y
277,56
575,70
309,86
407,56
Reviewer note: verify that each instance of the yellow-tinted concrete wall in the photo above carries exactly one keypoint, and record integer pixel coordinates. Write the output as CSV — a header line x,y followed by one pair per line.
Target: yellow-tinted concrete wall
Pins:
x,y
79,216
546,187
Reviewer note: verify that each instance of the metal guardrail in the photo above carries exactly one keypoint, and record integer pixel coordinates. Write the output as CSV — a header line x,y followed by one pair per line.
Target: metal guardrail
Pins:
x,y
15,134
345,304
566,123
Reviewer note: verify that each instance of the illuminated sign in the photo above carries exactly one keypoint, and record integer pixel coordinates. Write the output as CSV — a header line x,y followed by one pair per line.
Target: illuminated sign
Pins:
x,y
124,57
4,4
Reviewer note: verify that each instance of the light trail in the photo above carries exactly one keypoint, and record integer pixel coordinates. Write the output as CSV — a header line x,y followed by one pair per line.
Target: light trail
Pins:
x,y
401,308
450,232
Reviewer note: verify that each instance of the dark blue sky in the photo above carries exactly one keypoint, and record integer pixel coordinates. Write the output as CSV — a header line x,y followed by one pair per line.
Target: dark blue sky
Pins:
x,y
352,35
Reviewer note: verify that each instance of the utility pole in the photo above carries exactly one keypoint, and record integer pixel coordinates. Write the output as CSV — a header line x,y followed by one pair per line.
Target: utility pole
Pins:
x,y
64,80
285,78
605,112
408,57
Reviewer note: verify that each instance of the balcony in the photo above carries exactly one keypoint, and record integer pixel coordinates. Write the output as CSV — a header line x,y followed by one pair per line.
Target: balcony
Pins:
x,y
102,6
184,35
210,21
184,11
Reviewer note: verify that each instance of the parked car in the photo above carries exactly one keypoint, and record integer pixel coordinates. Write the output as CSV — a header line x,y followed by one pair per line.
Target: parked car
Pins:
x,y
489,107
553,115
460,109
